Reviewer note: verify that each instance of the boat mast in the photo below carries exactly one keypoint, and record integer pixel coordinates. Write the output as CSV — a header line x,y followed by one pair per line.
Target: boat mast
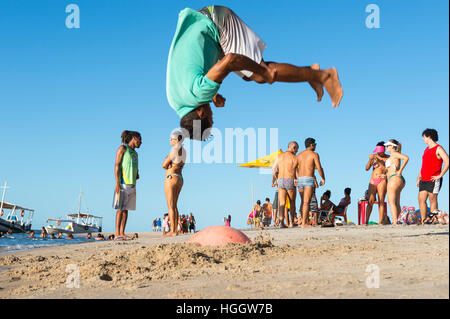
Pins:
x,y
79,204
3,196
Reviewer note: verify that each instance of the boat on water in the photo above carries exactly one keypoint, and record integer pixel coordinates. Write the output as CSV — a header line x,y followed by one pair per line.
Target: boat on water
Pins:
x,y
76,223
14,217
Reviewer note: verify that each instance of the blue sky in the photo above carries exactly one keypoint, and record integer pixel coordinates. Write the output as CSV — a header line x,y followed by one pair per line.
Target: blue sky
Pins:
x,y
67,94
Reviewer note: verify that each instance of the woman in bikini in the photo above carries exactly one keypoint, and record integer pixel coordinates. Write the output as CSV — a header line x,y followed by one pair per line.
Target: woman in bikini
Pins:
x,y
395,180
173,164
377,184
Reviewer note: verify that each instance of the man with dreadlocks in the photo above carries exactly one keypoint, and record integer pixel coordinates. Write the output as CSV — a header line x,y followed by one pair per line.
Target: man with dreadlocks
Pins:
x,y
126,173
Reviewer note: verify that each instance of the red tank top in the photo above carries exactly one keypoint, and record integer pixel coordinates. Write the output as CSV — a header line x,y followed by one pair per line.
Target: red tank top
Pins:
x,y
431,165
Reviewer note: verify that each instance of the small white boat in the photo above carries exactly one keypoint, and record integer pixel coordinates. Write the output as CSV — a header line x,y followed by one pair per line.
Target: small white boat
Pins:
x,y
14,217
76,223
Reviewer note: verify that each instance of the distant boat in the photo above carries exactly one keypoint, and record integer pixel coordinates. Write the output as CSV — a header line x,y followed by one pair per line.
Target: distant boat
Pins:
x,y
76,223
14,217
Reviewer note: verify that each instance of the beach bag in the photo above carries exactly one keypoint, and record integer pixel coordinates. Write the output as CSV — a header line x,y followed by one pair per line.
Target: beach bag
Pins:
x,y
409,216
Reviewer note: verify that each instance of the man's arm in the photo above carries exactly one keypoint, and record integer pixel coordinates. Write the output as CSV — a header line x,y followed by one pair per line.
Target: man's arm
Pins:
x,y
320,169
119,156
275,170
441,152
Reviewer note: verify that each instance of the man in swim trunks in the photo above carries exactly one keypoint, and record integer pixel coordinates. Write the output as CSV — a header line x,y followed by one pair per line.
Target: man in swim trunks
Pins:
x,y
211,43
285,171
308,162
430,179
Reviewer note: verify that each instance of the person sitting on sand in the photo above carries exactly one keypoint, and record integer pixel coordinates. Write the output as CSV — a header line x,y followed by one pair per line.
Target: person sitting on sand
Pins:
x,y
52,236
211,43
308,162
100,237
173,182
89,236
69,236
135,236
340,208
60,235
126,174
378,183
31,234
285,171
111,237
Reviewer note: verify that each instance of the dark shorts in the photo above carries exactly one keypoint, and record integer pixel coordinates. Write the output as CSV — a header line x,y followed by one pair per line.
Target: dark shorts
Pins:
x,y
431,187
313,205
275,201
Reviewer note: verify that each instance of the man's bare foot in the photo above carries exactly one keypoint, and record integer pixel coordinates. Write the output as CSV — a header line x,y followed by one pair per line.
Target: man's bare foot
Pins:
x,y
316,85
306,226
333,86
282,225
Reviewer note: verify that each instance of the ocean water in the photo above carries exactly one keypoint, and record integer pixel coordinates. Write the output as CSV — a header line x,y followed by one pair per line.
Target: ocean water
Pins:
x,y
19,242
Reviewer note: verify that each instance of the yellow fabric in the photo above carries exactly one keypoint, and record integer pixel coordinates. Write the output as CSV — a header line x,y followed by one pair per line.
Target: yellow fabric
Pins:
x,y
266,161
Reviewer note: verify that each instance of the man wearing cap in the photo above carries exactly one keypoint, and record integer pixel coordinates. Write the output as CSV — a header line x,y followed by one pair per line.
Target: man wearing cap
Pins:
x,y
308,162
430,179
194,72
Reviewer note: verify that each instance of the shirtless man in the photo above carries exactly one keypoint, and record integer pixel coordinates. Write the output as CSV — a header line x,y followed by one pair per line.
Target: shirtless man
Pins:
x,y
308,161
208,45
285,171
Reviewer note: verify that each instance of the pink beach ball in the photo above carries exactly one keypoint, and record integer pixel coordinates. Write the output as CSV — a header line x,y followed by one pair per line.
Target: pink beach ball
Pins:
x,y
218,236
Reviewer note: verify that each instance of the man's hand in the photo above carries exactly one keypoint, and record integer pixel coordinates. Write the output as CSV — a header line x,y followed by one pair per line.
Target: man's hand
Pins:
x,y
117,188
434,178
219,100
322,182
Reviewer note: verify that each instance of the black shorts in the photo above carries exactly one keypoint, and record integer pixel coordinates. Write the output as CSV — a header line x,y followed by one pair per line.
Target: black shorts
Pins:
x,y
431,187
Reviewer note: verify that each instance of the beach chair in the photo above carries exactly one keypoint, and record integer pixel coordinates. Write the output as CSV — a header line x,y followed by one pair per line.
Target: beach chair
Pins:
x,y
343,214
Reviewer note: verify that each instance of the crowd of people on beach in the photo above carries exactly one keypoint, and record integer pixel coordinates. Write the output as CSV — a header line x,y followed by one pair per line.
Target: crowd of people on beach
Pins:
x,y
292,171
185,224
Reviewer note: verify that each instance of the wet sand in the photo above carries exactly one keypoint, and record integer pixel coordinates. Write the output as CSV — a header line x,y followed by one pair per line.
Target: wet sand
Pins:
x,y
413,262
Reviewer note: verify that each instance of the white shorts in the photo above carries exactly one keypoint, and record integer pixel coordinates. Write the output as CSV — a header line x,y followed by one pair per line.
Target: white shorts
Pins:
x,y
126,199
236,36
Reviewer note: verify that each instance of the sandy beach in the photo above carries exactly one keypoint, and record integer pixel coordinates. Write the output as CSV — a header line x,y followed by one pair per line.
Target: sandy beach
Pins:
x,y
413,262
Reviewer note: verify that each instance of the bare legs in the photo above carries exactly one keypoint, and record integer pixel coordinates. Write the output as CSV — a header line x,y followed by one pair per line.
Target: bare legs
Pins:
x,y
282,72
305,194
317,78
394,188
121,221
282,204
373,190
172,189
423,196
